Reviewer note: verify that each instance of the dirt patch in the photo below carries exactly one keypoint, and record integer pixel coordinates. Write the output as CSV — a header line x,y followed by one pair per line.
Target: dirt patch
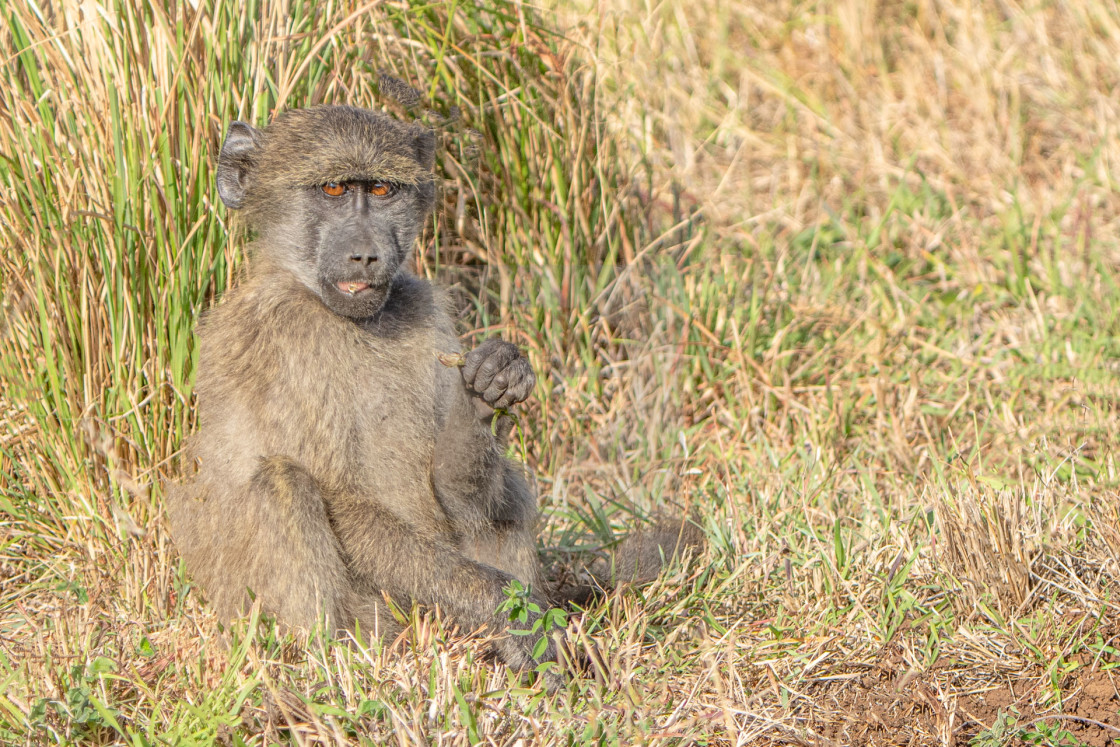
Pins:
x,y
947,705
1091,705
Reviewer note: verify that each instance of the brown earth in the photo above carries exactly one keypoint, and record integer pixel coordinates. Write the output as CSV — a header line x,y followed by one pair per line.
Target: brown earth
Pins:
x,y
888,705
1089,696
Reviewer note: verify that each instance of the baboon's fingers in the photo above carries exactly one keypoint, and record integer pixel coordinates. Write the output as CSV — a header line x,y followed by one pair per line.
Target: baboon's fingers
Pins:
x,y
503,394
522,386
496,369
474,360
492,357
497,397
471,362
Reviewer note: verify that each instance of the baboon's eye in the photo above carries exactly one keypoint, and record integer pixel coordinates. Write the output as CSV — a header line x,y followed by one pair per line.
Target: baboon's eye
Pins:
x,y
381,189
334,189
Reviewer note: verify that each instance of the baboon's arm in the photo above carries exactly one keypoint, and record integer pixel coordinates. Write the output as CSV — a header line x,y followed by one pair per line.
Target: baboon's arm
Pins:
x,y
386,554
469,470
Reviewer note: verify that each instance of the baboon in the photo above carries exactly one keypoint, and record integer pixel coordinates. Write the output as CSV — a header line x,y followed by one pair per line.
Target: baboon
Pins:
x,y
339,461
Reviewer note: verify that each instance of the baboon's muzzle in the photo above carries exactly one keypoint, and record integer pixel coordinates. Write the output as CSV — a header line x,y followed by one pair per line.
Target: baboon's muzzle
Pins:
x,y
357,266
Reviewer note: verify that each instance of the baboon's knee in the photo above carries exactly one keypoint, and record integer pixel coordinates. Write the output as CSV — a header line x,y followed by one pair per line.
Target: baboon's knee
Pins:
x,y
294,564
292,491
509,547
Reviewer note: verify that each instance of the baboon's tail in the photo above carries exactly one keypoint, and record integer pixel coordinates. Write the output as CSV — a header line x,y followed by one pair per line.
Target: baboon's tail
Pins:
x,y
638,559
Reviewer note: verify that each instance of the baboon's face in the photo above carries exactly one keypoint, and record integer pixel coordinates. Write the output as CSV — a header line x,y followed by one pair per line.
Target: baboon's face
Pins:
x,y
361,231
336,195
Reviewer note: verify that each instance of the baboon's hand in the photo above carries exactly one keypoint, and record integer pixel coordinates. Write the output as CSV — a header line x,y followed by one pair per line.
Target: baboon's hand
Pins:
x,y
517,653
497,372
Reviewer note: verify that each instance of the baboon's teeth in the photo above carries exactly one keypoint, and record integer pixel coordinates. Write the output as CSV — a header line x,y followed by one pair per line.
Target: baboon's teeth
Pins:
x,y
351,286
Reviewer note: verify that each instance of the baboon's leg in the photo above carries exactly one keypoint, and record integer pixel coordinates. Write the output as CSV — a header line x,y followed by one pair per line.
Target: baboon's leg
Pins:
x,y
384,553
508,547
289,557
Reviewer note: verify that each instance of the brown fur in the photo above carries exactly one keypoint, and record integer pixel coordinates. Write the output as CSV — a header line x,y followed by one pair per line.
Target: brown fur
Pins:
x,y
338,460
317,484
641,555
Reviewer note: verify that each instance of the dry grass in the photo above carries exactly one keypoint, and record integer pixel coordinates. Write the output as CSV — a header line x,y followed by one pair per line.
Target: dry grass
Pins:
x,y
839,278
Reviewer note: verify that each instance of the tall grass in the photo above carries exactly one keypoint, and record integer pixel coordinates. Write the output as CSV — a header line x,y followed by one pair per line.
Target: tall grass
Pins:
x,y
114,244
118,245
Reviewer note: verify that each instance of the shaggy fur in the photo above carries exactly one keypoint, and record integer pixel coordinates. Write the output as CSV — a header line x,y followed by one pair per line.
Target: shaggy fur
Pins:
x,y
337,459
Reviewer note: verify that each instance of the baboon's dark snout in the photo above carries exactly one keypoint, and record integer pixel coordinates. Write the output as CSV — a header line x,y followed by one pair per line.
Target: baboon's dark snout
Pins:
x,y
364,258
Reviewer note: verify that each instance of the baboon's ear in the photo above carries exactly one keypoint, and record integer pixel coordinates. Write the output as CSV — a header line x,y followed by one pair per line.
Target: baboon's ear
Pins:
x,y
425,144
235,162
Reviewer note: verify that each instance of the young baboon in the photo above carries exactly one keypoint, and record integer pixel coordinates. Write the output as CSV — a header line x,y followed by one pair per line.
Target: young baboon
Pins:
x,y
339,461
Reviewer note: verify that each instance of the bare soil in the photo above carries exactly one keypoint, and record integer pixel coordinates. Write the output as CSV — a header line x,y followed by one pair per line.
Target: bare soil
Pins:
x,y
892,706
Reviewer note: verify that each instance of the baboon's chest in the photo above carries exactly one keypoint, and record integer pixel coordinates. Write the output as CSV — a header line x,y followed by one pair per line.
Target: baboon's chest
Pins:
x,y
391,430
358,407
394,420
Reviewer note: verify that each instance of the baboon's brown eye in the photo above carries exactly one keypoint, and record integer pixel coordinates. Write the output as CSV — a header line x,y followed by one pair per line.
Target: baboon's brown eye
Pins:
x,y
334,189
380,189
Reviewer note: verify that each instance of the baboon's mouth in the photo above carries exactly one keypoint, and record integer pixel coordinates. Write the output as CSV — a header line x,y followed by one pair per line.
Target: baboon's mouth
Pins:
x,y
352,287
356,297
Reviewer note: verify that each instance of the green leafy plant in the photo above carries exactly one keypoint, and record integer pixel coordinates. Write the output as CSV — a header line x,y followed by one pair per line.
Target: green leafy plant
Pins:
x,y
519,607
